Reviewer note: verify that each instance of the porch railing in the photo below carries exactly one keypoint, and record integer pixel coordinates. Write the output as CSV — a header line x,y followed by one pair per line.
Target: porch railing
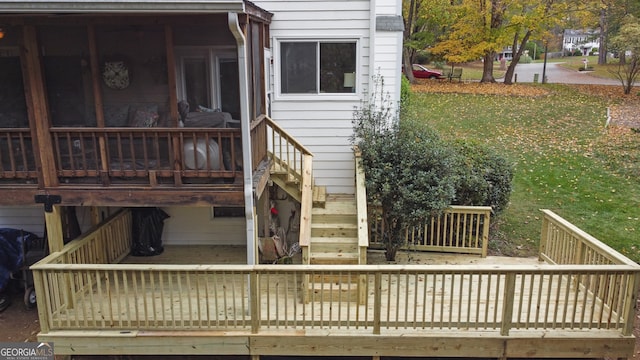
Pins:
x,y
73,295
460,229
150,155
147,153
16,154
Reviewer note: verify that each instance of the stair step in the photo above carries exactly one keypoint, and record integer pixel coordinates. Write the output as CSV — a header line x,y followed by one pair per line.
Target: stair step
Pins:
x,y
334,244
319,196
333,205
334,230
333,258
278,169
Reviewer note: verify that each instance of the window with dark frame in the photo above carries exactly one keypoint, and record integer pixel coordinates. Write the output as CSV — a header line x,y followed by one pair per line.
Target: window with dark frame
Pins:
x,y
312,67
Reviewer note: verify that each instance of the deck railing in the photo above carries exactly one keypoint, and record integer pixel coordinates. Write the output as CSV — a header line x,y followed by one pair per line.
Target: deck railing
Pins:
x,y
74,295
16,155
563,243
415,298
460,229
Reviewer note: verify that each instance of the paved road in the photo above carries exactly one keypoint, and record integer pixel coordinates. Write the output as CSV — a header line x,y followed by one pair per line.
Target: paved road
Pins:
x,y
558,74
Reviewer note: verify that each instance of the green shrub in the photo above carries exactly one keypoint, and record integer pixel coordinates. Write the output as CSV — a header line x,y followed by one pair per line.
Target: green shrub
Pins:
x,y
409,171
485,177
405,92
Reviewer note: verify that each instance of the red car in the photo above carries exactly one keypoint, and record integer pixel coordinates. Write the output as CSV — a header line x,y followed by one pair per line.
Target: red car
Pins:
x,y
421,72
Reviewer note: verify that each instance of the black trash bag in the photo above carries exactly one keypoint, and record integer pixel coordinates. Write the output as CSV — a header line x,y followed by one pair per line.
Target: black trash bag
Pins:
x,y
146,231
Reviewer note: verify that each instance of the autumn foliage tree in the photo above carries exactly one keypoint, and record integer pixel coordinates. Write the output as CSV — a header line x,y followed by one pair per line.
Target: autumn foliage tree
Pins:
x,y
474,33
482,27
628,41
423,23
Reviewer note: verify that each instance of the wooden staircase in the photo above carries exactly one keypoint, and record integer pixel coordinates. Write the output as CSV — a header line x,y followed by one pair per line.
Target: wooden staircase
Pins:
x,y
333,228
334,232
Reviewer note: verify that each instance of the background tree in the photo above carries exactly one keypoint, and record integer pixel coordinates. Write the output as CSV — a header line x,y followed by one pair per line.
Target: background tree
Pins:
x,y
424,22
610,14
474,34
628,41
527,18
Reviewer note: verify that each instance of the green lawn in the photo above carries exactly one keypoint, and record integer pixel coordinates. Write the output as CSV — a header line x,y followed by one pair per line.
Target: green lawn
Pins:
x,y
563,162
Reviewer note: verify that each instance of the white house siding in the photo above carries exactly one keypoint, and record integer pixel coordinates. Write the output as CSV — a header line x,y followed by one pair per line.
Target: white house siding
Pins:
x,y
322,123
388,48
28,218
31,218
195,226
388,59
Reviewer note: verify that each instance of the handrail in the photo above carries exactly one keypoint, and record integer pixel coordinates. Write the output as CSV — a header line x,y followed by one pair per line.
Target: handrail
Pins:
x,y
361,201
105,243
306,203
291,139
559,236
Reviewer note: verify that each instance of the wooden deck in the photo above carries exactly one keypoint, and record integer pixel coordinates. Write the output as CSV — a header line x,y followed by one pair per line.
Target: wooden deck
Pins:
x,y
431,304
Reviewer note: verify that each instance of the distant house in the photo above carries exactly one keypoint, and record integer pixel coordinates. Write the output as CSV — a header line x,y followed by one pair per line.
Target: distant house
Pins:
x,y
584,40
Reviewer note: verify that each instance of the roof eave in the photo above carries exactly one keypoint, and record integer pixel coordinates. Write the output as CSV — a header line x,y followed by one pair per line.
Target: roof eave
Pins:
x,y
122,6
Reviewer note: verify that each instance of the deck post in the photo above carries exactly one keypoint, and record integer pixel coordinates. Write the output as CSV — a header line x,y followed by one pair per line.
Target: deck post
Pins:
x,y
255,308
507,306
544,237
485,232
377,303
98,100
633,286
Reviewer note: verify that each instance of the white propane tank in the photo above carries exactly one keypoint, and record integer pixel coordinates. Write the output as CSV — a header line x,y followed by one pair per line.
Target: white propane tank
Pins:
x,y
195,157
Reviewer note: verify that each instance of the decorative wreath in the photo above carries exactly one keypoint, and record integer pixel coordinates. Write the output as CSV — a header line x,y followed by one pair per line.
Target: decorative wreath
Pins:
x,y
116,75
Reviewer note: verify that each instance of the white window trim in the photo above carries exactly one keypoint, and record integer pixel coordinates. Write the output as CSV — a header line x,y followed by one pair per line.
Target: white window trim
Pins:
x,y
279,95
212,54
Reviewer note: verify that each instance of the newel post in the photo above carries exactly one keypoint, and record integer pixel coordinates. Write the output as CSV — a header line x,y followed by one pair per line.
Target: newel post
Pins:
x,y
631,301
544,236
255,308
507,306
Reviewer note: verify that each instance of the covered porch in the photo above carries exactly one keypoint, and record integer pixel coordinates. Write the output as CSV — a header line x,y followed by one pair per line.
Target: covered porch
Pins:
x,y
132,99
577,300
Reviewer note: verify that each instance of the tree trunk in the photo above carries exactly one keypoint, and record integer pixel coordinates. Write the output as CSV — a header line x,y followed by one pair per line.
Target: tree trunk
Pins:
x,y
602,50
407,66
487,68
390,252
508,76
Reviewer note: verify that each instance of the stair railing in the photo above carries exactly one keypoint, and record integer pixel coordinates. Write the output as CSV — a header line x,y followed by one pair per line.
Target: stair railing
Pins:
x,y
288,154
285,151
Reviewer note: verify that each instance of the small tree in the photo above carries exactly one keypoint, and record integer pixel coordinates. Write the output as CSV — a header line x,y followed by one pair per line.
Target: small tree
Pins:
x,y
627,43
410,173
